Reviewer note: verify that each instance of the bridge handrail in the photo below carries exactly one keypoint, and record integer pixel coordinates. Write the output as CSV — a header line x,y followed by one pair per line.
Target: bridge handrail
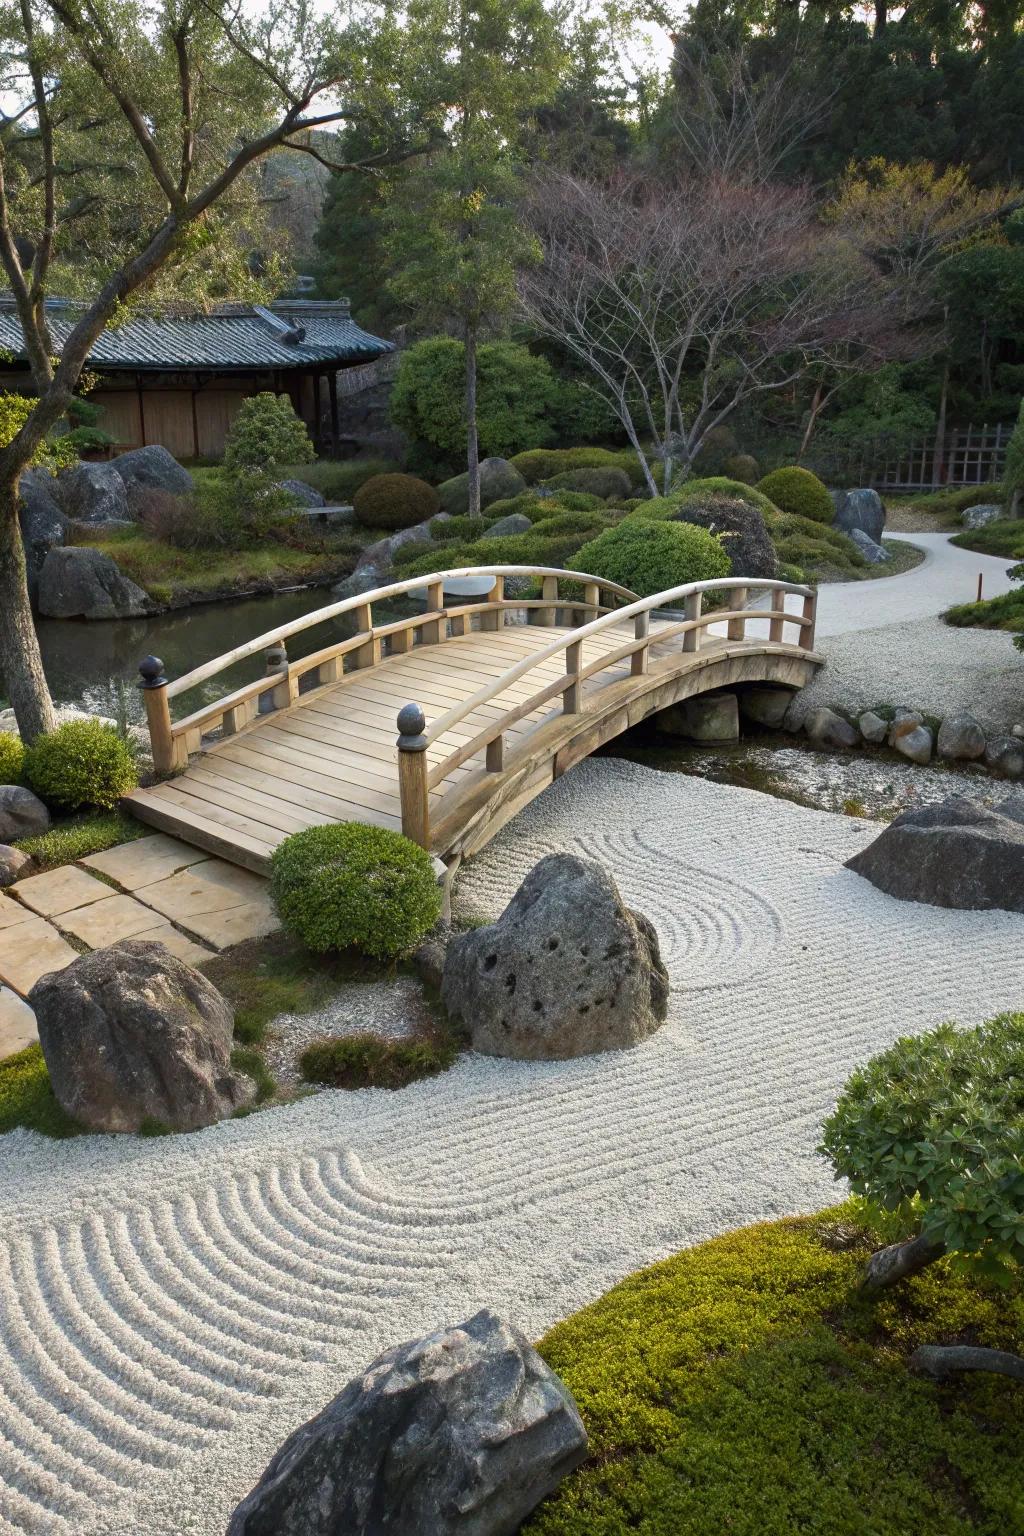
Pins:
x,y
643,606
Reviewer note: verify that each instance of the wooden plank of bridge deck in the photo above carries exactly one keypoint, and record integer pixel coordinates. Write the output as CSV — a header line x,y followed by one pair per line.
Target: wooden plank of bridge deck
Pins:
x,y
246,846
278,765
242,779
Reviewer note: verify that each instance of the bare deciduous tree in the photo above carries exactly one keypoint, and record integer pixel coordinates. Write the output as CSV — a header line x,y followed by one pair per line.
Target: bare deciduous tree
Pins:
x,y
684,301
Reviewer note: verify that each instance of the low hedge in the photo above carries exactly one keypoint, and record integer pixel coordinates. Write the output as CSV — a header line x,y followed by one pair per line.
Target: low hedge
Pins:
x,y
743,1387
1004,538
649,556
352,886
605,483
370,1061
540,464
799,491
337,480
393,502
81,763
12,758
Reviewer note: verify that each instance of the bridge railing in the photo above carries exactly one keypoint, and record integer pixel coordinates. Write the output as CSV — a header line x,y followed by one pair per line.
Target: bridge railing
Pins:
x,y
172,740
417,779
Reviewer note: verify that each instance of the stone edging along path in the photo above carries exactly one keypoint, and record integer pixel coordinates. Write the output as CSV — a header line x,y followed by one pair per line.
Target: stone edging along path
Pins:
x,y
174,1307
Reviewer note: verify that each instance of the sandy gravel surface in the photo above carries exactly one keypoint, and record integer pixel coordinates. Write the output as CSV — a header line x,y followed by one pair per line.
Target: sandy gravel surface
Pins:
x,y
172,1308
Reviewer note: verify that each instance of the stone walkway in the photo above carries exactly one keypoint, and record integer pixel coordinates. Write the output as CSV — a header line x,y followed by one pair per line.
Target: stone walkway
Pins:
x,y
156,888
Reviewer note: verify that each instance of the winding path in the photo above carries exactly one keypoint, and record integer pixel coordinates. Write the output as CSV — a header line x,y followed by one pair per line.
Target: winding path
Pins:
x,y
946,576
172,1308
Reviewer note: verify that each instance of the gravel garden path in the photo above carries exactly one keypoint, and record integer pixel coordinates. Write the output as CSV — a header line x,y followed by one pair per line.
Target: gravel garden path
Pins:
x,y
173,1307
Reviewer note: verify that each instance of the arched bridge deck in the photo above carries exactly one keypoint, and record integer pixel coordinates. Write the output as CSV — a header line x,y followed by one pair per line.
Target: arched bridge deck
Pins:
x,y
498,697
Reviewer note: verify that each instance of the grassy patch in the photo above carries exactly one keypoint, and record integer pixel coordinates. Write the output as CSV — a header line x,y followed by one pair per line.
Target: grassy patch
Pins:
x,y
741,1387
81,836
251,1063
268,977
26,1098
172,575
1004,538
1003,612
952,501
369,1061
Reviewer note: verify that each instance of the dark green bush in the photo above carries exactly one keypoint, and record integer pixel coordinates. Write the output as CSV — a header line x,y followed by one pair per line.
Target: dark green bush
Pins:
x,y
395,501
370,1061
565,524
734,519
81,763
265,433
799,491
649,557
1004,538
352,886
539,464
743,467
12,758
603,483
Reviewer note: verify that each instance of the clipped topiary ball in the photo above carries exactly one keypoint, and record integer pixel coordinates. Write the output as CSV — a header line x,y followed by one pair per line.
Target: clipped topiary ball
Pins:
x,y
351,886
12,758
393,502
603,483
796,490
267,432
649,557
81,763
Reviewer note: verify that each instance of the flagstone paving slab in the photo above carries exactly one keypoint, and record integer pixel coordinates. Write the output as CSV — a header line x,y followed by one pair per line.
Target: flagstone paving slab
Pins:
x,y
236,925
17,1023
145,861
106,922
30,949
218,902
11,912
60,890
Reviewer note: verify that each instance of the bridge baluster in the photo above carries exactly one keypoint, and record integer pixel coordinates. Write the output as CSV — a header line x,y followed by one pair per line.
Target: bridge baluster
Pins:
x,y
693,607
412,774
641,630
571,696
738,626
168,750
549,592
286,691
494,619
776,627
810,612
434,632
495,754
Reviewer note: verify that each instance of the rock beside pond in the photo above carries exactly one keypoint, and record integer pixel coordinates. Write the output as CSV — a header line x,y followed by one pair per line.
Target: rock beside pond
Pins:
x,y
766,706
22,814
827,729
305,495
132,1034
1004,755
957,854
81,582
13,864
43,524
861,509
961,738
872,727
154,468
461,1433
92,493
567,970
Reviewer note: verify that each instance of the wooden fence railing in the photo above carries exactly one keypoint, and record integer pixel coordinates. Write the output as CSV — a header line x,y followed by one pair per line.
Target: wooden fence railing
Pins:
x,y
963,456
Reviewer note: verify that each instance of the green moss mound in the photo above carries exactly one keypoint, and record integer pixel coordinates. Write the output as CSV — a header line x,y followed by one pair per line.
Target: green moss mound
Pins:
x,y
606,483
393,502
12,758
1003,612
81,763
741,1387
1005,539
26,1098
798,491
649,557
369,1061
80,836
540,464
350,885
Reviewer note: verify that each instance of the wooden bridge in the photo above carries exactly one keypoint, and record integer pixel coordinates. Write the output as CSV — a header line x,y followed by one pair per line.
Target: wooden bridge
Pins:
x,y
491,699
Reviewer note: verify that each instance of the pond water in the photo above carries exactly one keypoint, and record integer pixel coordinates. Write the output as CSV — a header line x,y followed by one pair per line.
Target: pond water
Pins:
x,y
94,665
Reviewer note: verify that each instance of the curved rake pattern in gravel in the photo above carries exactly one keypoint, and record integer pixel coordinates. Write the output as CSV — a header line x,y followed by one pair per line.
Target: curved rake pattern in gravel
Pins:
x,y
170,1310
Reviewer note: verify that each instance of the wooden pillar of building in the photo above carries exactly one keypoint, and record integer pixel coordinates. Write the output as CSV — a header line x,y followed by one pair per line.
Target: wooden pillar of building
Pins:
x,y
332,389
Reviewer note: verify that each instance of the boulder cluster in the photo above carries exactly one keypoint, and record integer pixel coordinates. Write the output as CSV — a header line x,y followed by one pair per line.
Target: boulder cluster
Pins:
x,y
959,738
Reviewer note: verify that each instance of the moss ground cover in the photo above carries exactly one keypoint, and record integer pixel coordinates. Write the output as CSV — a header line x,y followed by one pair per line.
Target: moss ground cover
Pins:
x,y
268,977
26,1098
741,1387
1004,538
369,1061
80,836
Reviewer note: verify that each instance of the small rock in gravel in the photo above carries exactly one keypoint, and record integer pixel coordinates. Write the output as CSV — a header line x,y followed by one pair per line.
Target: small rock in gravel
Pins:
x,y
13,864
1005,756
827,729
914,742
872,727
961,738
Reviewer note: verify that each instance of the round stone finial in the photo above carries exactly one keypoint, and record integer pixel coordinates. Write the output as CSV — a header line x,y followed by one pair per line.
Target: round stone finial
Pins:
x,y
411,720
151,670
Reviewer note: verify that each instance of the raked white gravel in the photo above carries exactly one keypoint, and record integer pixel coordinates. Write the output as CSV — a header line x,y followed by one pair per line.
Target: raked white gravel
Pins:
x,y
171,1309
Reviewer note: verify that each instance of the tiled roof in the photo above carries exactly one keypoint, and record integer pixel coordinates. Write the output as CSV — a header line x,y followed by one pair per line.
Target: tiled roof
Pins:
x,y
294,333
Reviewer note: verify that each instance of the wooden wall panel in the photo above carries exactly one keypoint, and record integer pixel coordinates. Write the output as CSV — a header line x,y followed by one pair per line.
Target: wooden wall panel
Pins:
x,y
120,415
215,411
168,421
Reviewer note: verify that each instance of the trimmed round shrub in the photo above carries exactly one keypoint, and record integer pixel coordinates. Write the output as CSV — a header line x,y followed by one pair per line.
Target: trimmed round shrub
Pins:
x,y
604,483
718,447
349,886
81,763
649,557
267,432
12,758
796,490
742,467
393,502
735,519
540,464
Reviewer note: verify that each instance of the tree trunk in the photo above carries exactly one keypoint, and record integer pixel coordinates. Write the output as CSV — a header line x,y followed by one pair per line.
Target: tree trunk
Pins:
x,y
946,1360
938,456
890,1265
20,661
473,444
881,16
811,420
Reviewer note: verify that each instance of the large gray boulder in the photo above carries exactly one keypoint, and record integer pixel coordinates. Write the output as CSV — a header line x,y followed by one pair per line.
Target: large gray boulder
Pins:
x,y
957,854
861,509
380,555
132,1035
305,495
567,970
960,738
43,524
22,814
499,481
79,582
980,517
712,718
872,727
14,864
155,469
914,742
92,493
1004,755
766,706
512,522
874,554
461,1433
